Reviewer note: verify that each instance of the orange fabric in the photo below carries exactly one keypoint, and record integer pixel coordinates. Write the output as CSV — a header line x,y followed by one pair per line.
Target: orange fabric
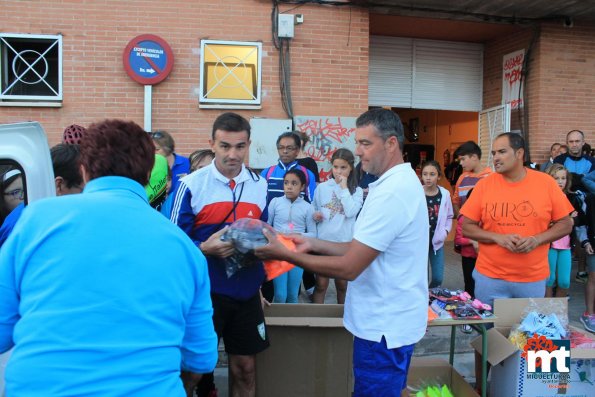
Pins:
x,y
463,190
431,315
274,268
525,208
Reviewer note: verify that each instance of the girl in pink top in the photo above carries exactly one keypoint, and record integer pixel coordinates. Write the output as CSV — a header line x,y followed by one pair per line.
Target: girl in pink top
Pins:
x,y
559,256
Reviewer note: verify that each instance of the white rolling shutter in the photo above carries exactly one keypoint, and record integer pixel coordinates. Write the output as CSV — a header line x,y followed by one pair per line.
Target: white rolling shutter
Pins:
x,y
391,71
439,75
448,76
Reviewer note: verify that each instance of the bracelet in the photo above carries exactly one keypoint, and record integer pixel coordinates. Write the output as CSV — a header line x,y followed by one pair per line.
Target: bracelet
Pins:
x,y
534,238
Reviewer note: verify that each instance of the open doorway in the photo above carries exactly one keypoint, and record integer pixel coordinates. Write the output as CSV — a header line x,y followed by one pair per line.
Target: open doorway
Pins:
x,y
444,130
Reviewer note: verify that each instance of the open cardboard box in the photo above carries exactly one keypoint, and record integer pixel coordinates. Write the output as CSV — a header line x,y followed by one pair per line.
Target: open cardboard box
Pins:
x,y
426,371
311,352
509,376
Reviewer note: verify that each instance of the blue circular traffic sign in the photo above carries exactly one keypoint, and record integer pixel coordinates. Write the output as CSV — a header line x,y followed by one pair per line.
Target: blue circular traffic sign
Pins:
x,y
148,59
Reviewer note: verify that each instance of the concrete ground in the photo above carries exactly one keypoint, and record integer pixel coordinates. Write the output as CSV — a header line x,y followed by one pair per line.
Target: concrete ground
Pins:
x,y
436,342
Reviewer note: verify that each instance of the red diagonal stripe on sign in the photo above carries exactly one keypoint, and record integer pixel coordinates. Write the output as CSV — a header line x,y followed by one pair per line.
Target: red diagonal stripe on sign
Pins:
x,y
150,62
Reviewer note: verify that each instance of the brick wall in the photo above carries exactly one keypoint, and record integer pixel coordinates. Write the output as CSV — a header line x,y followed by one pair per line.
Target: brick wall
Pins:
x,y
329,60
560,84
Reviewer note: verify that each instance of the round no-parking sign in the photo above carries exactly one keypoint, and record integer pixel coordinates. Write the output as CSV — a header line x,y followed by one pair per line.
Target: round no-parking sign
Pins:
x,y
148,59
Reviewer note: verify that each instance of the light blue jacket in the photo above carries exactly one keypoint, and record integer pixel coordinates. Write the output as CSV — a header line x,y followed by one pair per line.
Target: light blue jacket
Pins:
x,y
101,295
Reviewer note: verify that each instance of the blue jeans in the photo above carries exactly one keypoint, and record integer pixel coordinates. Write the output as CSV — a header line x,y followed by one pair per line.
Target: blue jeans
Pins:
x,y
437,266
287,286
378,370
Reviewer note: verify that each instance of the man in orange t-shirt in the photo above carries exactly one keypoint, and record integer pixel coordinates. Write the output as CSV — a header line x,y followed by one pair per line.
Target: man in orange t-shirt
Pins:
x,y
520,211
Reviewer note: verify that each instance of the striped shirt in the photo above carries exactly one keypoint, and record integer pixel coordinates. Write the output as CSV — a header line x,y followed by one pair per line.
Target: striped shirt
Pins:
x,y
466,182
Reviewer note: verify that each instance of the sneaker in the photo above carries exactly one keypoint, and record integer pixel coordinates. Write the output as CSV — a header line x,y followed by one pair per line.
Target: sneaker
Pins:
x,y
588,321
466,329
581,277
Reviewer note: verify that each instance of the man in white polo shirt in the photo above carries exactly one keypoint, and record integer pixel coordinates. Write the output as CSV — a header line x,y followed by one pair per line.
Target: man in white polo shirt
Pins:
x,y
386,304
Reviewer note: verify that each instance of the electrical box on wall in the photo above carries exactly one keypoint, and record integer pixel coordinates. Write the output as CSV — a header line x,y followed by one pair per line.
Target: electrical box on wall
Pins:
x,y
285,26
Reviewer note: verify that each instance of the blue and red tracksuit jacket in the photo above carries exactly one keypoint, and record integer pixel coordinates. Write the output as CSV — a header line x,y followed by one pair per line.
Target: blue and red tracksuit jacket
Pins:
x,y
203,205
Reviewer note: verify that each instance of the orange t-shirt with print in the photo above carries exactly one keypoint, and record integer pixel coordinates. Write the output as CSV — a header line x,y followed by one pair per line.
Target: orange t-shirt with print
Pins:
x,y
525,208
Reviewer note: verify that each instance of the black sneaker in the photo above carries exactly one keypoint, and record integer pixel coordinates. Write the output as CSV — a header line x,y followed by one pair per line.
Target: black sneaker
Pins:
x,y
581,277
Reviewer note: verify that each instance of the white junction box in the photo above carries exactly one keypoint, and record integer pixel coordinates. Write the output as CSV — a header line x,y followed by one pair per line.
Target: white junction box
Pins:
x,y
285,27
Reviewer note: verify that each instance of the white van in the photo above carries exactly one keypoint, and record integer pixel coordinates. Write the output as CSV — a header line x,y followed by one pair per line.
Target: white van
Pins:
x,y
24,146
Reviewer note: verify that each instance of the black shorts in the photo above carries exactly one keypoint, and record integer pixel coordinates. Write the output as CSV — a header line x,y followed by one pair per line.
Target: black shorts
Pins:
x,y
240,324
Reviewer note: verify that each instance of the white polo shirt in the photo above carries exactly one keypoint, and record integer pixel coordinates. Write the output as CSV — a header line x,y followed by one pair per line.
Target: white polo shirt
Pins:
x,y
390,297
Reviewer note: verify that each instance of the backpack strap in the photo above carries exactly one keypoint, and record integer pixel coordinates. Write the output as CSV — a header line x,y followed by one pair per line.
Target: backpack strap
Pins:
x,y
305,171
270,172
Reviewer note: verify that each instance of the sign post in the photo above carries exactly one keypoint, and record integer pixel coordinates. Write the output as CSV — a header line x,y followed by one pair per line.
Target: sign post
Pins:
x,y
148,60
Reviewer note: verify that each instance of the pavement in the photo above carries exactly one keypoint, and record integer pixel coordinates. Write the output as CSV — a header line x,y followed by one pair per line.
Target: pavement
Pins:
x,y
436,342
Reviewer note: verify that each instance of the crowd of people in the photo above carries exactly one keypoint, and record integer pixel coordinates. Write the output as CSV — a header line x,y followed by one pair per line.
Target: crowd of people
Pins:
x,y
132,271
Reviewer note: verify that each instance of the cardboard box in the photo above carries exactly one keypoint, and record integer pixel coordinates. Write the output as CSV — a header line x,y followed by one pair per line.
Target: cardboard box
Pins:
x,y
425,371
509,376
311,353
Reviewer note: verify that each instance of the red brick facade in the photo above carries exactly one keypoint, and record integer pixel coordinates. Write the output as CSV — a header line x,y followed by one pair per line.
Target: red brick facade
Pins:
x,y
329,65
560,85
329,60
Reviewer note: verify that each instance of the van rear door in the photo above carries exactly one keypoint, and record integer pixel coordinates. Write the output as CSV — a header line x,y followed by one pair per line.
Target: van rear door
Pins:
x,y
25,146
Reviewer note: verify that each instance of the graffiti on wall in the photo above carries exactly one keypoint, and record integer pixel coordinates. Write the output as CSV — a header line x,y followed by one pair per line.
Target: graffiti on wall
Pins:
x,y
327,134
512,84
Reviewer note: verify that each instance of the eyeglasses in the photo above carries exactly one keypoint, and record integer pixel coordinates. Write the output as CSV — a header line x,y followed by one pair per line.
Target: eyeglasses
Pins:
x,y
286,148
156,135
16,194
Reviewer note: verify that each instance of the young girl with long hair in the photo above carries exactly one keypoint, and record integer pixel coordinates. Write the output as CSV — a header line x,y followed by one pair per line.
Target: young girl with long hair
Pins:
x,y
337,203
559,255
440,212
291,214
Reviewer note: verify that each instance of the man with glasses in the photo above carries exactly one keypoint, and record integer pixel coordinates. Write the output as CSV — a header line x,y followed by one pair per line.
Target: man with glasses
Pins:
x,y
288,147
11,201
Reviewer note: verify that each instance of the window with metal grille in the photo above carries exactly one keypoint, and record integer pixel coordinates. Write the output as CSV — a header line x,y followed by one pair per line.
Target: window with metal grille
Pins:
x,y
30,68
230,74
